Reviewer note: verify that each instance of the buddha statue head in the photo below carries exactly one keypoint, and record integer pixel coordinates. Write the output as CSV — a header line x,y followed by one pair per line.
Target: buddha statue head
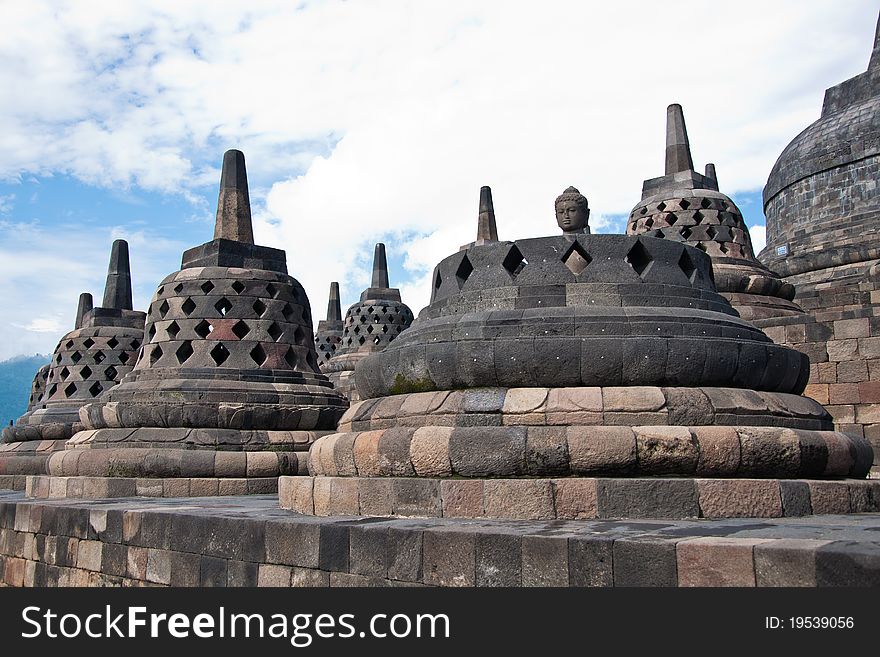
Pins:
x,y
572,212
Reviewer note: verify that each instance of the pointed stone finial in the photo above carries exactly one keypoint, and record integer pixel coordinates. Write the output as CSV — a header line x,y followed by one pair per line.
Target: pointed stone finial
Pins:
x,y
486,228
117,291
678,149
84,306
334,311
234,205
380,268
710,172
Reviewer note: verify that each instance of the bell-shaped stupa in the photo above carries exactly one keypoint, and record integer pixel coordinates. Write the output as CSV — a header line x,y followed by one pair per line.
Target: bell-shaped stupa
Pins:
x,y
227,385
370,325
686,206
581,376
329,333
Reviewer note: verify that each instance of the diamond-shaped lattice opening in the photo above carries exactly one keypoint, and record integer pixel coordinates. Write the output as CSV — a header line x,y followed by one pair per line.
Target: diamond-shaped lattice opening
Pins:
x,y
514,261
274,331
164,308
241,329
88,343
69,344
384,328
700,246
370,329
705,204
576,258
685,232
223,306
698,216
639,259
290,357
661,206
671,218
70,390
287,311
203,329
188,306
155,354
173,329
644,210
160,290
238,286
438,280
207,286
220,354
64,373
361,340
184,351
96,389
112,343
687,265
723,247
52,390
684,204
258,354
356,329
58,358
711,232
272,290
724,205
377,339
259,308
465,269
85,372
76,356
111,373
99,356
649,222
299,335
151,333
178,288
123,357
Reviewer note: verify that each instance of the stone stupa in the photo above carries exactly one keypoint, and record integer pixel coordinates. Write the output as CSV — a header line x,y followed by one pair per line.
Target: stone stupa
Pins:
x,y
687,207
370,325
582,376
88,361
227,390
329,333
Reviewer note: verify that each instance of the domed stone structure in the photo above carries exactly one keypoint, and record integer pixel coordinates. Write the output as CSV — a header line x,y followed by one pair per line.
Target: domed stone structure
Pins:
x,y
329,333
823,210
87,362
227,385
686,206
370,325
579,376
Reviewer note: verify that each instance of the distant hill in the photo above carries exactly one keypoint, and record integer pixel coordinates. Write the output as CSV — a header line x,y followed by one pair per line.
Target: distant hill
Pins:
x,y
16,375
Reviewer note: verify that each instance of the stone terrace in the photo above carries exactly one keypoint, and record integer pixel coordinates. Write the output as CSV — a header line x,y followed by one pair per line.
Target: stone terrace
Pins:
x,y
247,541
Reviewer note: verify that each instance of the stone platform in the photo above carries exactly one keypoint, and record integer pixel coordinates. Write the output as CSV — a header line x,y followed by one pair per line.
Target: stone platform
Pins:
x,y
249,541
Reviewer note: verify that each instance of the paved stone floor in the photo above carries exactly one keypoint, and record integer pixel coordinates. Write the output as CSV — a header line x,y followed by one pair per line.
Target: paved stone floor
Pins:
x,y
249,540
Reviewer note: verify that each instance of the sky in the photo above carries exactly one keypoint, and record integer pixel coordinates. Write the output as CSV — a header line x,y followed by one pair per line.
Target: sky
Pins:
x,y
374,121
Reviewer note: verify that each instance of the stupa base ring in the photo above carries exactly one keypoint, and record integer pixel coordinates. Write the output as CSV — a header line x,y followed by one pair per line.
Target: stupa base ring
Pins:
x,y
575,498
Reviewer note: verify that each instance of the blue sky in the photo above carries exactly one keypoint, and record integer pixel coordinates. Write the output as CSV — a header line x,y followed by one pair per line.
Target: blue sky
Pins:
x,y
365,122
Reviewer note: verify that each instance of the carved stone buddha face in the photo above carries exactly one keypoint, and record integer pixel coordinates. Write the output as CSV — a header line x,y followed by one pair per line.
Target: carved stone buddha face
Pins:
x,y
572,211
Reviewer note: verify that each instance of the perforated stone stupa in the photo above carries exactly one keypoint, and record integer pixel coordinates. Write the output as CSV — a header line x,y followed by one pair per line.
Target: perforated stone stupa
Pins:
x,y
227,385
87,362
686,206
329,333
582,376
370,325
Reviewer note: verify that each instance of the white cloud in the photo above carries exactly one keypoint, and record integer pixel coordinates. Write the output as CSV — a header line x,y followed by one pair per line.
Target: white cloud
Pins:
x,y
7,202
759,237
376,121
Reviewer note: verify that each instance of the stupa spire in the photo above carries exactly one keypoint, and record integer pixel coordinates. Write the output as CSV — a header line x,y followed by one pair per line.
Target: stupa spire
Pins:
x,y
678,149
334,311
486,228
85,305
233,204
380,268
117,291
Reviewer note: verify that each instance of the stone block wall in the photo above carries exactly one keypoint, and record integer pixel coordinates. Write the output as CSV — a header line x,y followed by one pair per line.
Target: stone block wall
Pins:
x,y
841,335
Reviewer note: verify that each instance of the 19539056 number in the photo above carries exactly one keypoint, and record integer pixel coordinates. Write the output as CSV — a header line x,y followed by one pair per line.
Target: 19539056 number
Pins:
x,y
809,623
